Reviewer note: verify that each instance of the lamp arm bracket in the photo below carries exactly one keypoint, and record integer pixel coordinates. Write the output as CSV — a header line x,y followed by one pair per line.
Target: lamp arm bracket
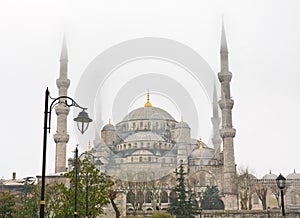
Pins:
x,y
66,102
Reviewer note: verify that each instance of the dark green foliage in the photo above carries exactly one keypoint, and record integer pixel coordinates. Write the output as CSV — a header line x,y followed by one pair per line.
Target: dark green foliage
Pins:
x,y
7,204
60,199
161,215
99,187
211,199
181,206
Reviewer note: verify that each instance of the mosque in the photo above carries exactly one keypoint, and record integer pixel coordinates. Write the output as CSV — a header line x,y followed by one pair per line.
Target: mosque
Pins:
x,y
142,150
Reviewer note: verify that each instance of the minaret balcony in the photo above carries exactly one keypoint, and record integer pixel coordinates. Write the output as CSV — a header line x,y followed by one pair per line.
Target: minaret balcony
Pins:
x,y
62,109
224,76
226,103
63,83
61,137
227,132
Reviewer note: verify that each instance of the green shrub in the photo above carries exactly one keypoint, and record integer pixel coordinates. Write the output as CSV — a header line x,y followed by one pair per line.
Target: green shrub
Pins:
x,y
161,215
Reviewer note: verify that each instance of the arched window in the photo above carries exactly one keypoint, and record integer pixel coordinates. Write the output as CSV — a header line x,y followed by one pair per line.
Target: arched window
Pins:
x,y
140,197
149,159
173,196
141,159
148,197
293,197
130,198
131,159
164,197
255,199
202,179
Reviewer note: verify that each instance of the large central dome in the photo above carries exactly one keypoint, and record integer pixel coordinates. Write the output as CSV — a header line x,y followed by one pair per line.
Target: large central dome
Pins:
x,y
148,113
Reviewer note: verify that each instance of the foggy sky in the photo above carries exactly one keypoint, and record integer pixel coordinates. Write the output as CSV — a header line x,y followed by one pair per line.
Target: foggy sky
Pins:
x,y
263,40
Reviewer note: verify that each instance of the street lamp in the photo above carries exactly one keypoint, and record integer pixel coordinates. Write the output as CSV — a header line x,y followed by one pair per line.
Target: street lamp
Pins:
x,y
280,180
83,120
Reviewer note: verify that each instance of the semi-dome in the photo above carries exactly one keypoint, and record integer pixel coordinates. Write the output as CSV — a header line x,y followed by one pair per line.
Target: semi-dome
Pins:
x,y
148,113
142,152
144,136
293,176
202,153
182,124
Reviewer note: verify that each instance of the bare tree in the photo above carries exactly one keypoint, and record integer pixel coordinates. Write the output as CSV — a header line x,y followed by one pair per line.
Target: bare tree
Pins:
x,y
276,192
244,182
261,189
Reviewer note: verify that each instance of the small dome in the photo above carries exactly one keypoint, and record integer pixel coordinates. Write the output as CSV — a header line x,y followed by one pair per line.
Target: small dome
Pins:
x,y
182,124
293,175
108,127
269,176
143,136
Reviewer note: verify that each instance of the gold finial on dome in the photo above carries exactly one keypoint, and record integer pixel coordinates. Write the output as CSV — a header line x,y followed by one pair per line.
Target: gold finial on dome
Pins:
x,y
200,144
148,104
109,121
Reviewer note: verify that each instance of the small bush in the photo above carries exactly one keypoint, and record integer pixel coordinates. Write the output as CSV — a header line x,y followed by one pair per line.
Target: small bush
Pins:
x,y
161,215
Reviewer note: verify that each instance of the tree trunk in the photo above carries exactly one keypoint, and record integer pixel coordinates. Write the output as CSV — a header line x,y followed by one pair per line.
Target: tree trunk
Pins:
x,y
118,214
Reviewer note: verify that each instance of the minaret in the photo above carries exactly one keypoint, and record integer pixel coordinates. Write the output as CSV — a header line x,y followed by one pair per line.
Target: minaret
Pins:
x,y
216,120
62,137
227,132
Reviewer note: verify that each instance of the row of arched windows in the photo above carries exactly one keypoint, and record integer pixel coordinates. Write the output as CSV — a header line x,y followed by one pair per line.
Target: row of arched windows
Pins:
x,y
141,198
136,145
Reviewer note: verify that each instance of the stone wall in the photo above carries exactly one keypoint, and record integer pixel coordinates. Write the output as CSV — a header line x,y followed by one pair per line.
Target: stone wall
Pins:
x,y
249,214
239,214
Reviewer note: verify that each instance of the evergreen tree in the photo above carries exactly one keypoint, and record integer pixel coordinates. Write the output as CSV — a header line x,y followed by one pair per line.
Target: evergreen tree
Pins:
x,y
211,199
181,206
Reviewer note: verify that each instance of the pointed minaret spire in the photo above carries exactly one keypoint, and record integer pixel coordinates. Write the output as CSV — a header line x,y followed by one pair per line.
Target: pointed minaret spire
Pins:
x,y
64,51
215,103
224,51
223,40
61,137
89,146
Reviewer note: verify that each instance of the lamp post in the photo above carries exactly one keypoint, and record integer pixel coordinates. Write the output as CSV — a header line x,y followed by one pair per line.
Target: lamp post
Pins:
x,y
268,210
76,179
280,180
82,120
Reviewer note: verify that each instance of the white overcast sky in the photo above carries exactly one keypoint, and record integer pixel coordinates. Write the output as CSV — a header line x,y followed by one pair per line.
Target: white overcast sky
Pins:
x,y
264,45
